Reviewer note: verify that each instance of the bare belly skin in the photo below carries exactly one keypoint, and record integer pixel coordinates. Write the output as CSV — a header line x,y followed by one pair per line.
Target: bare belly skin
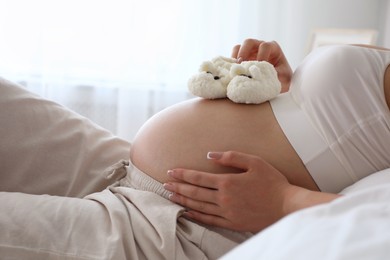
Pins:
x,y
180,137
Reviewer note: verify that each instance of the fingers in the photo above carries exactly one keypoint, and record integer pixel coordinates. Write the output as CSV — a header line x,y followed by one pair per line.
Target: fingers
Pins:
x,y
200,206
233,159
202,179
204,212
195,198
253,49
271,52
191,191
235,51
268,51
248,49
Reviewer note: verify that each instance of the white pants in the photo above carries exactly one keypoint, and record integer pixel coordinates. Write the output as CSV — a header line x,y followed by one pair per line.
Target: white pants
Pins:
x,y
116,223
53,201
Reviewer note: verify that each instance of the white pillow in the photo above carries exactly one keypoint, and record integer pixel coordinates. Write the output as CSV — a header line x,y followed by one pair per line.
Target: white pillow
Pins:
x,y
369,182
47,149
355,226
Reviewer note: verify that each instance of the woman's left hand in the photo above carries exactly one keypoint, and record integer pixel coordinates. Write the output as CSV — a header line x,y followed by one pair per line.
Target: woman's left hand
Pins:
x,y
247,201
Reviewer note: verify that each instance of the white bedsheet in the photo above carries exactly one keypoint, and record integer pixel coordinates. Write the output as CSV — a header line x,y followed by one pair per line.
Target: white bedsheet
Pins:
x,y
356,226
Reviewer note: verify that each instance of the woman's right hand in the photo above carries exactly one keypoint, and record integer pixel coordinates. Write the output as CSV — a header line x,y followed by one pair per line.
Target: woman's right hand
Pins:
x,y
248,201
271,52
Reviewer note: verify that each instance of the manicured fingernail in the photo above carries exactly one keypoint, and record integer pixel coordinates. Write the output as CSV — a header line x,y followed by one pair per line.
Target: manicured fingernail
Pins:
x,y
214,155
168,186
170,172
172,197
239,60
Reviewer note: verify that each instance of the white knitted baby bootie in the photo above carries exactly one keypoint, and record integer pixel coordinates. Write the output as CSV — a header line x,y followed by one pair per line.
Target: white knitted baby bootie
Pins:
x,y
212,80
253,82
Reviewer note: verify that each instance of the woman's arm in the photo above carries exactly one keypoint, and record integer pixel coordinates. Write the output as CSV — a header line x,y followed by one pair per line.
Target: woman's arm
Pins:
x,y
248,201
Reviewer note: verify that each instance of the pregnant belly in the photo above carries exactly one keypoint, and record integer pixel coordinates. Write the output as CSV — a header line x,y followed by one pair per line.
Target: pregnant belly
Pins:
x,y
181,136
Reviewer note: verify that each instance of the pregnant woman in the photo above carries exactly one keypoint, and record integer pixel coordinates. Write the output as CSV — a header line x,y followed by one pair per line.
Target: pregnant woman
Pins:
x,y
329,129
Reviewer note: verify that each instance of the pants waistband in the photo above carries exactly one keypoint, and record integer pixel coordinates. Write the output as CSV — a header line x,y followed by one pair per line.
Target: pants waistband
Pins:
x,y
137,179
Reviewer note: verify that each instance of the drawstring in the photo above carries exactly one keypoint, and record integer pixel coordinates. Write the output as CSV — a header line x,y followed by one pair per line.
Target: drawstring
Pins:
x,y
117,171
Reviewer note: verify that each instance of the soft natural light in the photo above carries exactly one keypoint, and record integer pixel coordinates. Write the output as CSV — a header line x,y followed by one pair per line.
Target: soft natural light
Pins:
x,y
148,42
118,62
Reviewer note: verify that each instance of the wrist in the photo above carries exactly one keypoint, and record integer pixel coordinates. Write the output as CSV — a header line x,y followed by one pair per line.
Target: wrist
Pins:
x,y
296,198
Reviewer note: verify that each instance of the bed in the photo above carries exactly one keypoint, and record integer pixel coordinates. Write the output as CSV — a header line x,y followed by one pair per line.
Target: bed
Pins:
x,y
356,226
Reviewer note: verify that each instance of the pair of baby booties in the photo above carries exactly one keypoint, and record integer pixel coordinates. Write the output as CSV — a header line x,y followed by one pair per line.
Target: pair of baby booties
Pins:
x,y
250,82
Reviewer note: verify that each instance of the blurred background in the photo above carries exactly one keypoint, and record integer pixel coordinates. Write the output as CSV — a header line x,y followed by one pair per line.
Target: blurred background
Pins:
x,y
118,62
